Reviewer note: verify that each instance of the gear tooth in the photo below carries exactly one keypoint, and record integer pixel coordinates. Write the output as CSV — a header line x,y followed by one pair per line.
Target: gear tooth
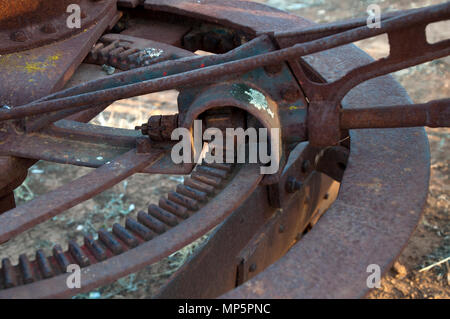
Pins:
x,y
124,235
60,258
139,229
44,265
94,52
198,185
162,215
151,222
134,58
26,269
221,166
207,179
110,242
95,248
9,274
113,57
123,55
186,201
178,205
212,171
78,254
173,208
192,193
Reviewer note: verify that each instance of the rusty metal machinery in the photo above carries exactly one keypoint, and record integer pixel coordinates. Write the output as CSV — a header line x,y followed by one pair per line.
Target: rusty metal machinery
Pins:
x,y
345,196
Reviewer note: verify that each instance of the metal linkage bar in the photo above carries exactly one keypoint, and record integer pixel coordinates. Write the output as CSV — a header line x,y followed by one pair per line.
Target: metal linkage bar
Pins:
x,y
44,207
432,114
167,80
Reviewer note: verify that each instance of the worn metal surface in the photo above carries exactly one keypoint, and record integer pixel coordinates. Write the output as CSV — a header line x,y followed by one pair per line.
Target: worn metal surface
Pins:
x,y
214,212
36,211
27,24
432,114
315,88
255,235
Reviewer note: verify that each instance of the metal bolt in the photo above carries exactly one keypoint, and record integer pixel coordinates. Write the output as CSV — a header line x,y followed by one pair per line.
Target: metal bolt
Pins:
x,y
281,229
293,185
290,94
143,128
252,268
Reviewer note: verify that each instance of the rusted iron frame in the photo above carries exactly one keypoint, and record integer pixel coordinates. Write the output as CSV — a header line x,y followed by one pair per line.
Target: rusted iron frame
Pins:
x,y
43,208
315,32
101,56
94,145
408,47
243,185
21,86
432,114
58,144
255,218
44,22
395,61
141,74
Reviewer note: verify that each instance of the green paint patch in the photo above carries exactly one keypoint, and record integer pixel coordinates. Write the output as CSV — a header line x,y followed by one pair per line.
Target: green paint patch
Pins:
x,y
252,96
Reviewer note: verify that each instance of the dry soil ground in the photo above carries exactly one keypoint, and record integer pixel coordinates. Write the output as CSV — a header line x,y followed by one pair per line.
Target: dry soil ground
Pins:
x,y
430,243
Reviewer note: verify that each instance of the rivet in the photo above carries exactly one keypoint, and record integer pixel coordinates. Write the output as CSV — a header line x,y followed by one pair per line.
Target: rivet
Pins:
x,y
290,94
48,28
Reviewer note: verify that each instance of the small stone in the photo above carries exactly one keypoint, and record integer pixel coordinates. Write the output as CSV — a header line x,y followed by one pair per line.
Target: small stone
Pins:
x,y
108,69
399,270
94,295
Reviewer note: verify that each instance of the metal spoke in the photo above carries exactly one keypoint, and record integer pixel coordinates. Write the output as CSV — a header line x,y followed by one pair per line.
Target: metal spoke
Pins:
x,y
44,207
71,142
